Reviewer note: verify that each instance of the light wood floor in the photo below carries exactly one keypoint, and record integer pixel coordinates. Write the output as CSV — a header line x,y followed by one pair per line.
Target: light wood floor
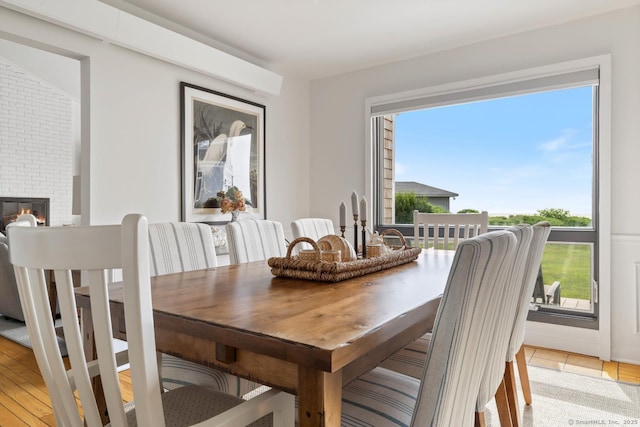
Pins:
x,y
580,364
24,400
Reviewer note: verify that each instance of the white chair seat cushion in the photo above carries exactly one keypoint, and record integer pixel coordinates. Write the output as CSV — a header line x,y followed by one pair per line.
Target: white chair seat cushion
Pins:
x,y
411,359
177,373
380,398
190,405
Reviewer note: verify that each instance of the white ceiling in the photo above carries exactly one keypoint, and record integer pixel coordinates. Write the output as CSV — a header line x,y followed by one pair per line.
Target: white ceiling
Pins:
x,y
320,38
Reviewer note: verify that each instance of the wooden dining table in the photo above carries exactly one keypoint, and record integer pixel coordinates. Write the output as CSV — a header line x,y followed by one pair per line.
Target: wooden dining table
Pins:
x,y
305,337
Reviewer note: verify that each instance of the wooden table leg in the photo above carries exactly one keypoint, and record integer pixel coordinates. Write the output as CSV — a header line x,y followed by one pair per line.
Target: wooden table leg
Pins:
x,y
320,397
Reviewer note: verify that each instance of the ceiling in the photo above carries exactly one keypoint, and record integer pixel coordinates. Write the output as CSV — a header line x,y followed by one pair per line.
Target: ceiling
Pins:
x,y
321,38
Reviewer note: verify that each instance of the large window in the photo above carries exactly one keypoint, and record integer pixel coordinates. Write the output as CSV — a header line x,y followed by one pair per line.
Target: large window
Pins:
x,y
525,151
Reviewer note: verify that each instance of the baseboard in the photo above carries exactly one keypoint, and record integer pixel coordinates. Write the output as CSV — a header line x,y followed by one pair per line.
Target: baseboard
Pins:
x,y
565,338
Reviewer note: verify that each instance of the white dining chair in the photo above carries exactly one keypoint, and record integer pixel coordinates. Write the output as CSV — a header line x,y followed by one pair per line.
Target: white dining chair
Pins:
x,y
255,240
515,350
97,250
314,228
449,229
469,314
176,247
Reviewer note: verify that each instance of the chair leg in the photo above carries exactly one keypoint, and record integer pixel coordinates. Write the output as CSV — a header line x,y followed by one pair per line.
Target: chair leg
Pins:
x,y
512,393
503,406
524,375
159,362
480,421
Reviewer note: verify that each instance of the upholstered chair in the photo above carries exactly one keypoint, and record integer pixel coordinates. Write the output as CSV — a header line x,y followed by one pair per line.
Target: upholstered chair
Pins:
x,y
456,228
515,350
255,240
470,313
9,298
492,380
314,228
177,247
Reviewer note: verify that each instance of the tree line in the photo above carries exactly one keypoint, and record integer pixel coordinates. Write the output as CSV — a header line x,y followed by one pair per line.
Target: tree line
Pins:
x,y
406,203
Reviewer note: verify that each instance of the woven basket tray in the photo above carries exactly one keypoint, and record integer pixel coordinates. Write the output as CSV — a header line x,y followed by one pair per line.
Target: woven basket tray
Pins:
x,y
293,267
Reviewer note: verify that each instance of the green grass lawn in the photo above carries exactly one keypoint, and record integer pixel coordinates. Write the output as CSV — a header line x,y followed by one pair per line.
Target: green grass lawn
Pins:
x,y
570,264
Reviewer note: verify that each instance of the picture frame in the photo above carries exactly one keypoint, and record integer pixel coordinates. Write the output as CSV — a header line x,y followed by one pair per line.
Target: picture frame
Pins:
x,y
222,146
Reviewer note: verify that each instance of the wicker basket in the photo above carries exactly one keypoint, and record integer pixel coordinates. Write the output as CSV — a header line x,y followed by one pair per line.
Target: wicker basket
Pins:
x,y
316,269
374,251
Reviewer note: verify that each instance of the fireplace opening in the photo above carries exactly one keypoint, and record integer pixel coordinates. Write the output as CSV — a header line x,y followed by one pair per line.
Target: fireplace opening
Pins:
x,y
12,207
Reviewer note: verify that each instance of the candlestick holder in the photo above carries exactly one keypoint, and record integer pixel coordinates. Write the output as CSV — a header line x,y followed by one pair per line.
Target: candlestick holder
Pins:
x,y
342,229
355,233
364,238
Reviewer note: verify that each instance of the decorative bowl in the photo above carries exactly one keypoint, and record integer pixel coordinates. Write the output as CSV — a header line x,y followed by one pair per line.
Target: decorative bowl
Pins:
x,y
337,243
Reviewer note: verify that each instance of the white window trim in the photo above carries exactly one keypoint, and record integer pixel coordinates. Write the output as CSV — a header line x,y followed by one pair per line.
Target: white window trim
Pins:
x,y
542,334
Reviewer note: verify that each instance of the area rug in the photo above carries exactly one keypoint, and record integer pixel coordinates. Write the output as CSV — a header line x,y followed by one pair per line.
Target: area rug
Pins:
x,y
566,399
16,331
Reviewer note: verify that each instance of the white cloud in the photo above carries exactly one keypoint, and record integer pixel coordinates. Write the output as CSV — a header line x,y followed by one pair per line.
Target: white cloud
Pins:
x,y
559,142
554,144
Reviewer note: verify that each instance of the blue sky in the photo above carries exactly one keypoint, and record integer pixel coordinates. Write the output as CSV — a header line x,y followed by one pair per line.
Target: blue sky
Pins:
x,y
509,155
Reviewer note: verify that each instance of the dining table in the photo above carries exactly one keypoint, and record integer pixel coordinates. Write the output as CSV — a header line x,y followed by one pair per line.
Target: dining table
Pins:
x,y
305,337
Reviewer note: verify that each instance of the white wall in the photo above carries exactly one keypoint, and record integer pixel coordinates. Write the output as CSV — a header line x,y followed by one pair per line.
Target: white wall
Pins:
x,y
131,128
59,71
338,139
315,136
35,141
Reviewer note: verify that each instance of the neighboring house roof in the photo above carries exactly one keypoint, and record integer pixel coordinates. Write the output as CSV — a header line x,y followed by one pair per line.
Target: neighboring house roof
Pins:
x,y
422,189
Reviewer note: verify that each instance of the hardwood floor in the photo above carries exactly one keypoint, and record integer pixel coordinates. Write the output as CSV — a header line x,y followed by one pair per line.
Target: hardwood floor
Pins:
x,y
580,364
23,396
24,400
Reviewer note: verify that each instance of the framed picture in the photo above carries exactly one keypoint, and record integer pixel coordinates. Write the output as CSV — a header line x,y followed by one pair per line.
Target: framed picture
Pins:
x,y
223,141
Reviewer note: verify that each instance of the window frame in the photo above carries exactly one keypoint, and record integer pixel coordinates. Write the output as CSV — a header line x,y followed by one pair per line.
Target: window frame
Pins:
x,y
518,83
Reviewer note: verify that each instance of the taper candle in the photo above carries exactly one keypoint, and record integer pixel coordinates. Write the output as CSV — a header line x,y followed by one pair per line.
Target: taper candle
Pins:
x,y
363,209
343,214
354,203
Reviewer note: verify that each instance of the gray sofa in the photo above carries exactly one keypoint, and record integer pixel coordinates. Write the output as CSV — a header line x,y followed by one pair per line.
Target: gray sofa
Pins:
x,y
9,298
